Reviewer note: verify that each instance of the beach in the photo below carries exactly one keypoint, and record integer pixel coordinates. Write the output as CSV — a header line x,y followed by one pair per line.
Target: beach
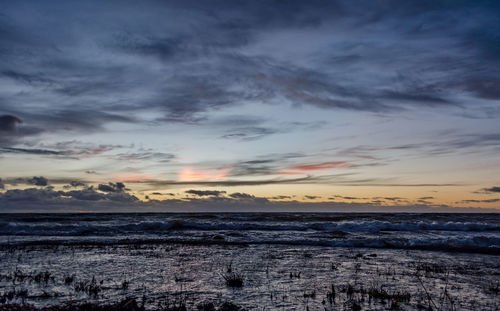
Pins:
x,y
316,262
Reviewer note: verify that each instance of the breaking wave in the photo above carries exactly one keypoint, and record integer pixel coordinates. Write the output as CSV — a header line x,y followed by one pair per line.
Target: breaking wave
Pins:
x,y
464,233
76,229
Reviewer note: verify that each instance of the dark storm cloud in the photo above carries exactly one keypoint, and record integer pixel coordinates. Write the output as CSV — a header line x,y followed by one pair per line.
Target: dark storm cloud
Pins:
x,y
80,68
2,185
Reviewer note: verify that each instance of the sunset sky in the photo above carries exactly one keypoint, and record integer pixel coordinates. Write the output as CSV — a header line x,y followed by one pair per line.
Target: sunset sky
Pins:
x,y
146,105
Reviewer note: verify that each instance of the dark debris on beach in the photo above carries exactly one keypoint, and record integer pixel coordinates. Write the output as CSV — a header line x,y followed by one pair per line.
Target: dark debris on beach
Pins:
x,y
129,304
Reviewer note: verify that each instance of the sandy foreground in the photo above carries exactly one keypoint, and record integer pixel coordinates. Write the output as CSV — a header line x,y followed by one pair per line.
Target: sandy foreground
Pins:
x,y
261,277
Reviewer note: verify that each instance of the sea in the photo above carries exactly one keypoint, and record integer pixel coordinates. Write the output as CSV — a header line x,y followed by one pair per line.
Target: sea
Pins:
x,y
453,232
280,261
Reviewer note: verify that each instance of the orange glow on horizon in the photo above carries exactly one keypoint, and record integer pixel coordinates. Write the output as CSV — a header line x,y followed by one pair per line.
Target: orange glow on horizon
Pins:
x,y
322,166
189,174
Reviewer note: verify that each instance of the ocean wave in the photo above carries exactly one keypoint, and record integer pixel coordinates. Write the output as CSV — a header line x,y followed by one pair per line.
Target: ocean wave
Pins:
x,y
477,244
148,227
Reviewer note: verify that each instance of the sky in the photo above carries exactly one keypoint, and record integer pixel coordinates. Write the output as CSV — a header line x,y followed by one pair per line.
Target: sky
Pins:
x,y
249,105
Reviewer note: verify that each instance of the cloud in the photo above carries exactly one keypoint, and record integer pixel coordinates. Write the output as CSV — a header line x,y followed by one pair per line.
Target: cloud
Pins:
x,y
8,129
2,185
382,184
61,199
281,197
254,132
426,202
312,197
485,87
492,189
31,151
227,183
89,200
84,120
29,195
89,194
13,132
163,48
394,198
480,201
204,193
322,166
143,155
111,187
8,123
266,165
65,149
250,133
345,179
448,143
65,75
241,196
39,181
78,150
159,193
347,197
75,184
241,54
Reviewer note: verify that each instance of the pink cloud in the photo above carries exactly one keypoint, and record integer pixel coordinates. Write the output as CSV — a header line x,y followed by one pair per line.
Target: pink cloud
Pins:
x,y
322,166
